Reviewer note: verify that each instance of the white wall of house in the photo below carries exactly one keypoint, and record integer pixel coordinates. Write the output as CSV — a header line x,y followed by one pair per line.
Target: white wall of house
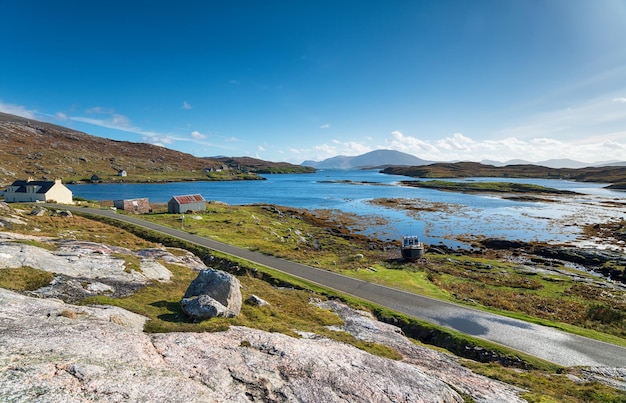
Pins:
x,y
32,196
59,193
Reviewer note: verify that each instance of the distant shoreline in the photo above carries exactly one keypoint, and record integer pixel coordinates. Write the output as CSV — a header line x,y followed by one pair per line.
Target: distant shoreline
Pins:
x,y
615,176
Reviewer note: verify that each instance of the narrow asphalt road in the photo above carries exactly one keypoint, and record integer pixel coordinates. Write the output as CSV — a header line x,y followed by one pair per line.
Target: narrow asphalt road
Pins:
x,y
540,341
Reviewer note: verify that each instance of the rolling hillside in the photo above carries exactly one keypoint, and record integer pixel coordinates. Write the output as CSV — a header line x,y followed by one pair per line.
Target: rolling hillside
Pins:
x,y
47,151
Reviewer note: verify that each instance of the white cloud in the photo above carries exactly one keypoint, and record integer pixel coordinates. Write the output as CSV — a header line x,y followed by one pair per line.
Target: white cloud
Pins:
x,y
355,148
186,105
544,142
458,142
408,144
196,135
234,82
611,145
16,110
157,139
115,121
325,151
594,117
61,116
100,110
326,126
461,147
338,147
261,148
120,122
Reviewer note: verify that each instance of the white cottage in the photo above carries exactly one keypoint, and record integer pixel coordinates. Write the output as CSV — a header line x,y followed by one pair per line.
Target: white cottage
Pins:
x,y
38,191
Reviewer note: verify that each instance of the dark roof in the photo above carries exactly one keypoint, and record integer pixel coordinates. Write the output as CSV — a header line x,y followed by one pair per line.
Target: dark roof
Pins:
x,y
186,199
44,186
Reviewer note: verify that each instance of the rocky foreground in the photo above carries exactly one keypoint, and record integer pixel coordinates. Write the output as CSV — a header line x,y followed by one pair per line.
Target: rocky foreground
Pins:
x,y
55,351
52,350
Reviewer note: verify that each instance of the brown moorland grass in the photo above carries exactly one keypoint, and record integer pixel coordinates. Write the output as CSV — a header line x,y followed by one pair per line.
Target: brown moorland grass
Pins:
x,y
80,228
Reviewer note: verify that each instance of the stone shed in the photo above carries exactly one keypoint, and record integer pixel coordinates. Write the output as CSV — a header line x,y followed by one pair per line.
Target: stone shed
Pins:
x,y
139,206
183,204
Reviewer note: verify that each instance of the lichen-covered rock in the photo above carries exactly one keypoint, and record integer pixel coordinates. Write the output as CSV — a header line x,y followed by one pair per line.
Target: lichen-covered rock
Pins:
x,y
213,293
256,300
38,211
84,269
445,367
55,352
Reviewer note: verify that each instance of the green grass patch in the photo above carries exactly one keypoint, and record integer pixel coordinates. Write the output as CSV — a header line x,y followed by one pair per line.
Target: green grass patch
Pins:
x,y
78,228
549,386
24,278
267,229
131,262
231,176
412,278
556,300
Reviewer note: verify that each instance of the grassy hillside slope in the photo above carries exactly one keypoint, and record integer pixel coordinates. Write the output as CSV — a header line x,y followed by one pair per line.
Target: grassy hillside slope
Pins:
x,y
47,151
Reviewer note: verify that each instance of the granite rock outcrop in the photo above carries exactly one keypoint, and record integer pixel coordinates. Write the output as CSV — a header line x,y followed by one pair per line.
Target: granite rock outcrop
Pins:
x,y
57,352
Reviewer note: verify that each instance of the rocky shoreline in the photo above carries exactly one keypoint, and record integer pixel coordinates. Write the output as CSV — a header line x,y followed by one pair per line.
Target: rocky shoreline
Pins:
x,y
605,262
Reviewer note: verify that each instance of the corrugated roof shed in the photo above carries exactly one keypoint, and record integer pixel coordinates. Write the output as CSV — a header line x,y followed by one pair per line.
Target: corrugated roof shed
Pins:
x,y
186,199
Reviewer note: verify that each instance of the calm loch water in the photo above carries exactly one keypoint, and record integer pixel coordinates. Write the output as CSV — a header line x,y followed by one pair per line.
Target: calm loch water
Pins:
x,y
451,215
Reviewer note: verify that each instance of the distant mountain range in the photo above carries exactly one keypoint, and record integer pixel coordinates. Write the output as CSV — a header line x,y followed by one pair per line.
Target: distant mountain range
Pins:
x,y
387,158
372,159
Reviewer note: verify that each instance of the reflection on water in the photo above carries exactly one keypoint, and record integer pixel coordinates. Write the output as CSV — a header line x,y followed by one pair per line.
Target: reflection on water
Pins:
x,y
349,191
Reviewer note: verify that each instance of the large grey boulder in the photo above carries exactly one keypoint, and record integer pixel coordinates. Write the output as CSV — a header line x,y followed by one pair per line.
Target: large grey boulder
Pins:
x,y
213,293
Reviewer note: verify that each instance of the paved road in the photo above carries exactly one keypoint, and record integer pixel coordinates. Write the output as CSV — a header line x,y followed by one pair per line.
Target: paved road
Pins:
x,y
540,341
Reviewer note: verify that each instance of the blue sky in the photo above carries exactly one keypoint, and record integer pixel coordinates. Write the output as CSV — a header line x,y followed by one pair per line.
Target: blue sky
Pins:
x,y
296,80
